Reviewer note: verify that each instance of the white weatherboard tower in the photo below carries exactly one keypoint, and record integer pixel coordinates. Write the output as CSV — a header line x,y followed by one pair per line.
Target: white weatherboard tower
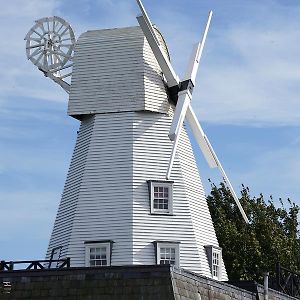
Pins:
x,y
133,194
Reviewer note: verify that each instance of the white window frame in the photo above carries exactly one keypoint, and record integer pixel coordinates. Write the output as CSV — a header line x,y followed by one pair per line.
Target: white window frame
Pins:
x,y
218,253
211,251
169,185
174,245
89,245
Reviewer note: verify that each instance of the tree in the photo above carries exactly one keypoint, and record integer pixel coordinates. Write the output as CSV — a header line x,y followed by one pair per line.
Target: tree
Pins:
x,y
250,250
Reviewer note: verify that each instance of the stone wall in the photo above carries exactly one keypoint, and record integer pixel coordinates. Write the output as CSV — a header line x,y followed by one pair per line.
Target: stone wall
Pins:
x,y
121,283
273,295
187,285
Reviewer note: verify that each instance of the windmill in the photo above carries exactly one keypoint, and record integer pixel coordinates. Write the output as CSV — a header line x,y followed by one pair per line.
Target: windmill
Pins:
x,y
119,207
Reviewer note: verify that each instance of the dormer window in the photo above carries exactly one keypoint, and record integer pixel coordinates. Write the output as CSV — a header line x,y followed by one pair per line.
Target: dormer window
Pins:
x,y
214,256
167,253
161,197
98,253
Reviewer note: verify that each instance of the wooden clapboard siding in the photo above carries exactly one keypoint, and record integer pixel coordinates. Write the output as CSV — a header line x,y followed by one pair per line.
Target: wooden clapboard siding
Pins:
x,y
64,220
114,71
155,90
112,201
151,152
107,73
104,208
118,92
191,223
200,215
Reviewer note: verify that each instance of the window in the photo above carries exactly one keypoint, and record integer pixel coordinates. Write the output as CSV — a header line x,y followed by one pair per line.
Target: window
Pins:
x,y
161,194
167,253
98,253
214,256
215,264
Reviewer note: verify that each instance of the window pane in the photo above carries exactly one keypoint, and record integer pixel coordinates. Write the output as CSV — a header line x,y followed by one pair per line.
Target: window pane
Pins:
x,y
216,264
161,198
98,256
167,255
92,263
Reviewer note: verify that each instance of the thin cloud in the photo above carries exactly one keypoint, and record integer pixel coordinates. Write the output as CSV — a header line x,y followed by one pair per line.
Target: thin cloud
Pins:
x,y
260,86
285,164
27,9
17,75
249,70
28,215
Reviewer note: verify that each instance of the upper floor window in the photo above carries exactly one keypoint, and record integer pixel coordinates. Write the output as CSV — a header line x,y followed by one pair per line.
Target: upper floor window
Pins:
x,y
98,253
161,197
214,255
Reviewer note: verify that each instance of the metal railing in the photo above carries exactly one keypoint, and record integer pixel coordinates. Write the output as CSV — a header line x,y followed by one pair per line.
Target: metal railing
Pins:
x,y
287,281
34,264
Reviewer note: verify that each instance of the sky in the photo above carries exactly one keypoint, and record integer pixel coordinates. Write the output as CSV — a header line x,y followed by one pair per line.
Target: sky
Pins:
x,y
246,98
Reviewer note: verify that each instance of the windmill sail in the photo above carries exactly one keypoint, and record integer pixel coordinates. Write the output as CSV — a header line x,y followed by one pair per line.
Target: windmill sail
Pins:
x,y
183,91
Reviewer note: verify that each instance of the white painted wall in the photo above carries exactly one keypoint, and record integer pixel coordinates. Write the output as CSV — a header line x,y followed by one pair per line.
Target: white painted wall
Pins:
x,y
118,93
151,152
104,209
65,216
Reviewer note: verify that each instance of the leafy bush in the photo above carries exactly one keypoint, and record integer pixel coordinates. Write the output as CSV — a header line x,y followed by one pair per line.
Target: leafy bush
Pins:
x,y
250,250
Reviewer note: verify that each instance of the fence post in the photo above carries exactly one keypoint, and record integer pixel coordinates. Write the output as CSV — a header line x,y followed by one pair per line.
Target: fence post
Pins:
x,y
2,264
278,276
266,286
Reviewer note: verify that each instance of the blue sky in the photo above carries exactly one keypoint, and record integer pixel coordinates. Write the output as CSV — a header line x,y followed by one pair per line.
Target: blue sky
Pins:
x,y
247,99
